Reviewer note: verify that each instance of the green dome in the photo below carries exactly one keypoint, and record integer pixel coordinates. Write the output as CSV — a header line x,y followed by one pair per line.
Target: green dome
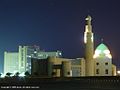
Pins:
x,y
102,47
102,51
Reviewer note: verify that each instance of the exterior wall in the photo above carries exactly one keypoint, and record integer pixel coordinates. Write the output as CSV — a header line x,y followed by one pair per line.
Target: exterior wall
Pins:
x,y
22,59
39,67
25,58
56,67
11,62
75,67
28,52
103,61
89,56
82,61
103,66
44,55
50,67
114,71
66,68
50,64
78,67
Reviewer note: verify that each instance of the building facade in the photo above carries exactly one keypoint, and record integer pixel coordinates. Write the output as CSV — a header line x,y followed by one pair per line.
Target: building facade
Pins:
x,y
98,64
26,53
103,61
21,61
44,55
51,64
51,67
114,70
78,67
11,62
58,67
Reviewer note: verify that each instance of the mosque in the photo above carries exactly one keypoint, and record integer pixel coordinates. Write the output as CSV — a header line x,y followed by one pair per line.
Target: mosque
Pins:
x,y
95,63
51,64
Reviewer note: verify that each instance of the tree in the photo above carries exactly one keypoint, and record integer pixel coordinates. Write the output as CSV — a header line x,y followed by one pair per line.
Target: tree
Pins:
x,y
8,74
0,75
17,74
27,74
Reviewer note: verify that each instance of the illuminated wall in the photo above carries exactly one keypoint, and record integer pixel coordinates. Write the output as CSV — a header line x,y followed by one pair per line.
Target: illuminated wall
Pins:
x,y
78,67
25,55
103,61
114,71
89,47
11,62
28,52
44,55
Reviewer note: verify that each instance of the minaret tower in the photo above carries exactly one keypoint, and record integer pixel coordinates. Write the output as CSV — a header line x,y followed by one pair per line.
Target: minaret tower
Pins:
x,y
89,47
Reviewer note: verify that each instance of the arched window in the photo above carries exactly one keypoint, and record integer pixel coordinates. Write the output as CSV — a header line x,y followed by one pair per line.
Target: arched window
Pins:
x,y
97,71
106,71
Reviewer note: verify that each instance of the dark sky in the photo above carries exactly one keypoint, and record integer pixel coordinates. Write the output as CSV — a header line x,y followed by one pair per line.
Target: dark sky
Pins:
x,y
59,25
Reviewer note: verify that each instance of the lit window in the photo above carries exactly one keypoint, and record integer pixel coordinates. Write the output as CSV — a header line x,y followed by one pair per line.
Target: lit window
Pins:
x,y
60,53
35,51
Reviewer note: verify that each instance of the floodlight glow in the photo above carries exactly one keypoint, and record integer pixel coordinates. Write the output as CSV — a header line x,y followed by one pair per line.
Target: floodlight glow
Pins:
x,y
35,51
106,51
3,75
88,18
86,29
85,34
60,53
22,74
109,55
29,56
92,38
118,71
97,52
12,74
85,39
96,55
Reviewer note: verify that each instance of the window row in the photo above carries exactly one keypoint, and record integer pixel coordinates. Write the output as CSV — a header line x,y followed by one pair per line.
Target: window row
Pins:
x,y
99,63
98,71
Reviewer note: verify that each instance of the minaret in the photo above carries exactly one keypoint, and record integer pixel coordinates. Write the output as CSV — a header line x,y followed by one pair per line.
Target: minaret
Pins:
x,y
89,47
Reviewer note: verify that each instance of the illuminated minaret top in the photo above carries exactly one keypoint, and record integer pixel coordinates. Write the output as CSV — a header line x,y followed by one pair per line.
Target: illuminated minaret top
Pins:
x,y
88,19
89,47
88,24
88,27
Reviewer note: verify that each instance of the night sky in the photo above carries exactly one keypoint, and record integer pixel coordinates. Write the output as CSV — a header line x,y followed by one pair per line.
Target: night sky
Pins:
x,y
58,25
